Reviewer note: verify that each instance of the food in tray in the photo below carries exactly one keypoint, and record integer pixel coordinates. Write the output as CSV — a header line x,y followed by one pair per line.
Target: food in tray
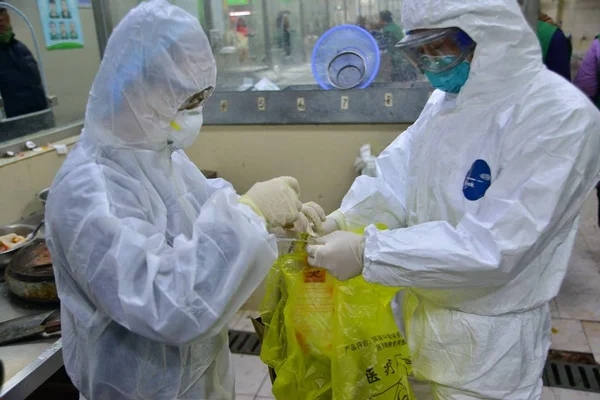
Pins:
x,y
10,241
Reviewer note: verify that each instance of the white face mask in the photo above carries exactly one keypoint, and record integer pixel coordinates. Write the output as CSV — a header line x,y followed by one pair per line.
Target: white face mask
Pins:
x,y
185,128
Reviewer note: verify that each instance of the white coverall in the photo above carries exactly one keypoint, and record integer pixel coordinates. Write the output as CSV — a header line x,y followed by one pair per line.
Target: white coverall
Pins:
x,y
151,258
483,194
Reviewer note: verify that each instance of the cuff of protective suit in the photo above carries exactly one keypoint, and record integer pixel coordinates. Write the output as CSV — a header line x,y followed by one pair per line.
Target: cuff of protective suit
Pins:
x,y
340,219
247,201
374,272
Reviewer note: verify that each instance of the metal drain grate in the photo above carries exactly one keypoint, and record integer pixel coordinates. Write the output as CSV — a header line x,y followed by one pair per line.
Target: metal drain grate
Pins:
x,y
571,376
565,375
244,343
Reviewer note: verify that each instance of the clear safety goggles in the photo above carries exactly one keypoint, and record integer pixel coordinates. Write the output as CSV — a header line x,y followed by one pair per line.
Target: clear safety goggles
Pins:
x,y
437,50
197,100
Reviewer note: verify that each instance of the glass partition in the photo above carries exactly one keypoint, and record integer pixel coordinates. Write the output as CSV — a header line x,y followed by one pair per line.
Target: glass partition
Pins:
x,y
262,47
272,41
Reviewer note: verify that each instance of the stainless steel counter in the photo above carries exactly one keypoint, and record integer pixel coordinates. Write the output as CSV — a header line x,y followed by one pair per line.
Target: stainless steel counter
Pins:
x,y
27,364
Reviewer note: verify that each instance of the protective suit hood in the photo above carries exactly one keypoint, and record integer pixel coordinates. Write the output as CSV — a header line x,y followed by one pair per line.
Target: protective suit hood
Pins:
x,y
507,48
146,75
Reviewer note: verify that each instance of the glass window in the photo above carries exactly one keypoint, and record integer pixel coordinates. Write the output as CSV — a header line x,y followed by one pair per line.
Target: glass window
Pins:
x,y
264,50
272,41
48,60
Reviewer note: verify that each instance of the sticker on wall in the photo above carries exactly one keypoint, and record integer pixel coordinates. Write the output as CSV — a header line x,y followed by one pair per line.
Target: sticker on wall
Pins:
x,y
61,23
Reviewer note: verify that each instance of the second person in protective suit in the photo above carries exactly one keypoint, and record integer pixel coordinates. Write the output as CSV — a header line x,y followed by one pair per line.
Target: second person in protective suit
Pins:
x,y
482,196
151,258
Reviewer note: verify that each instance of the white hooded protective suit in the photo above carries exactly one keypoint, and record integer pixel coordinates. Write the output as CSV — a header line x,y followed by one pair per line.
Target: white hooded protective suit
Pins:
x,y
151,258
483,193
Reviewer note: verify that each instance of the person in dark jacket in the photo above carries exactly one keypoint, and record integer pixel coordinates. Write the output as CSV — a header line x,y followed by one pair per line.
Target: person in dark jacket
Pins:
x,y
402,70
556,47
20,80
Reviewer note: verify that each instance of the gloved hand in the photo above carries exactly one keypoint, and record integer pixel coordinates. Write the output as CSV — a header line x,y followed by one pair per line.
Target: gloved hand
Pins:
x,y
341,253
276,200
359,165
311,219
334,222
315,214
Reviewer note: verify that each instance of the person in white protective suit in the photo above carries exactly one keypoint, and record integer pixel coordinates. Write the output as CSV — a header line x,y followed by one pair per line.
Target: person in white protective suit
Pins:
x,y
482,196
151,258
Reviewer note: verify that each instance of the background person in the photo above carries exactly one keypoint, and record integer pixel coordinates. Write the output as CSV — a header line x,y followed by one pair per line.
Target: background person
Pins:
x,y
20,80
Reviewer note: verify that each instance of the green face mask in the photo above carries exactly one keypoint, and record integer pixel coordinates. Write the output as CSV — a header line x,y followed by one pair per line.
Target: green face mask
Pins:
x,y
6,36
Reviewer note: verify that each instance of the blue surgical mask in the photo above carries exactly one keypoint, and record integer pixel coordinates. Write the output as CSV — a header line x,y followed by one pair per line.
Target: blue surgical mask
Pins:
x,y
453,80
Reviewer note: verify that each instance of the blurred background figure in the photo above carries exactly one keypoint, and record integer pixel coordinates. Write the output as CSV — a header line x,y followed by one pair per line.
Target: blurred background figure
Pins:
x,y
363,23
556,47
21,84
242,39
589,72
401,69
284,37
587,81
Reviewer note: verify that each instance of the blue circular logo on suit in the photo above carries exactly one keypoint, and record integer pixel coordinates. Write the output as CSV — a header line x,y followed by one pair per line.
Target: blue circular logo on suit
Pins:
x,y
478,180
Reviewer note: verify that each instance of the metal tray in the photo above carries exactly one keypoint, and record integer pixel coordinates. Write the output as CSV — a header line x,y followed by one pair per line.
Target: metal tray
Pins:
x,y
19,229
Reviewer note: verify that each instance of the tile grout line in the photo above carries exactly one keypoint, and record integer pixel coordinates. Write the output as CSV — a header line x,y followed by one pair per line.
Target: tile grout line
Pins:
x,y
260,387
589,341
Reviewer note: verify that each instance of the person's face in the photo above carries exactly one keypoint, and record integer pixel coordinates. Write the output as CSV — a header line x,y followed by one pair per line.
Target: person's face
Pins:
x,y
64,6
52,8
72,27
4,21
53,28
63,29
444,46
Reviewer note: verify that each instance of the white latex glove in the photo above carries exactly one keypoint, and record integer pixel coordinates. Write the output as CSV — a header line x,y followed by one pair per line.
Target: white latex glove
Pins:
x,y
341,253
277,200
359,165
334,222
311,219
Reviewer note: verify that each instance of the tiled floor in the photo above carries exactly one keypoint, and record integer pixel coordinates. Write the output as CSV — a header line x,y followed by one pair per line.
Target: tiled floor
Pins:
x,y
575,314
251,376
576,309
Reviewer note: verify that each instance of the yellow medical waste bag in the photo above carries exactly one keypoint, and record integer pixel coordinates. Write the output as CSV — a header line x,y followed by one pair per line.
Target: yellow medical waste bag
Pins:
x,y
327,339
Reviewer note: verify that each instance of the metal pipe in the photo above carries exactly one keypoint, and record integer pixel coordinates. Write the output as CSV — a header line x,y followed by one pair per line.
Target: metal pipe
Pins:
x,y
560,11
268,50
302,31
104,23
